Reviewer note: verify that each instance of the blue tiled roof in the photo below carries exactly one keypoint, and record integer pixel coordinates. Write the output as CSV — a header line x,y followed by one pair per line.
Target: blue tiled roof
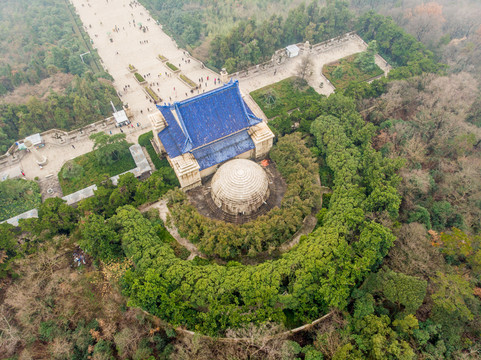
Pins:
x,y
223,150
204,119
215,114
172,136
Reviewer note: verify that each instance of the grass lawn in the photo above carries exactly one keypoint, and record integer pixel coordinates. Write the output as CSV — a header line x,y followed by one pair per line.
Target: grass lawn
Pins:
x,y
18,196
350,72
167,171
281,97
90,171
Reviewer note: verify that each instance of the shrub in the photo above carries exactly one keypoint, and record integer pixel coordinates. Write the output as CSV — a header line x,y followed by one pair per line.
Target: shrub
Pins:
x,y
294,161
188,81
354,68
153,95
71,170
139,77
18,196
172,66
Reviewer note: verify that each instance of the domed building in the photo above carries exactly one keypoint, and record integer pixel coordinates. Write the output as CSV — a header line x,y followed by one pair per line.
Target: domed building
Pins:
x,y
200,134
240,187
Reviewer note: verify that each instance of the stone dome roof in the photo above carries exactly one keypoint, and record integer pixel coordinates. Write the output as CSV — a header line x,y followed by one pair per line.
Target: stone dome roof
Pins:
x,y
240,187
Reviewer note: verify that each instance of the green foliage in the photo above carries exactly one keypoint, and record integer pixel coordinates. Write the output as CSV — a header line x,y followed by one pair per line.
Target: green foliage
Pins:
x,y
109,148
71,170
171,66
111,157
374,338
304,283
34,48
103,350
282,97
139,77
298,168
144,139
460,247
405,292
83,339
443,216
354,68
250,42
48,330
451,299
99,240
129,190
56,216
188,81
9,249
48,40
162,165
454,306
366,60
398,47
420,215
186,25
85,101
18,196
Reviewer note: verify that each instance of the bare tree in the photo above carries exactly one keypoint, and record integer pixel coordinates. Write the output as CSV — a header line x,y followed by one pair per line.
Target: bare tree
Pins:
x,y
305,68
10,336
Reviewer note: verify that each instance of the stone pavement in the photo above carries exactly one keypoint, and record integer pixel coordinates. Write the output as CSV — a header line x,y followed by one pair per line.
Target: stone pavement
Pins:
x,y
319,57
115,29
129,45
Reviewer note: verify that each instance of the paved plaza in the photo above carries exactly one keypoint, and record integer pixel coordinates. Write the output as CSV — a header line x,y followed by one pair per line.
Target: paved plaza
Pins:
x,y
124,33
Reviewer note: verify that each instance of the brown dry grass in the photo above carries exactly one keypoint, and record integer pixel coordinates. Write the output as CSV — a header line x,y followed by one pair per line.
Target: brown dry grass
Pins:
x,y
57,83
51,289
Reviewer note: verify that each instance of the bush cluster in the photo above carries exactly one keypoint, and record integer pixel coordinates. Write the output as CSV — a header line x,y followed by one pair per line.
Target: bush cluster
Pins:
x,y
297,166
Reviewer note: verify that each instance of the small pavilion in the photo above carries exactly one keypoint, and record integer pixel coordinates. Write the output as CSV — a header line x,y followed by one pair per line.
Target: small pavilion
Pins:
x,y
201,133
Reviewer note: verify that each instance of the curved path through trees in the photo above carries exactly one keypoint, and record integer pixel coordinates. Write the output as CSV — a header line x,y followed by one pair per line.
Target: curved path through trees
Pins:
x,y
307,227
164,213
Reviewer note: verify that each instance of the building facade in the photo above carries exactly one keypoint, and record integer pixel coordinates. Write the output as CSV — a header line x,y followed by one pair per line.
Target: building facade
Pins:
x,y
199,134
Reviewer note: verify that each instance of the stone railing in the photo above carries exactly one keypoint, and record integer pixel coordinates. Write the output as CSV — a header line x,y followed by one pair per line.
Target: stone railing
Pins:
x,y
281,335
279,57
56,137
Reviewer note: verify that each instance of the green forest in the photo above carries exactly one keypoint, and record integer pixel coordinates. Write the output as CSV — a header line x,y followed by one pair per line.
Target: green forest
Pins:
x,y
392,268
41,40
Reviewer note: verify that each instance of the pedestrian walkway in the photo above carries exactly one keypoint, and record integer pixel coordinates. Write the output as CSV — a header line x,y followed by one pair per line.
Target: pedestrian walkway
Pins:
x,y
124,34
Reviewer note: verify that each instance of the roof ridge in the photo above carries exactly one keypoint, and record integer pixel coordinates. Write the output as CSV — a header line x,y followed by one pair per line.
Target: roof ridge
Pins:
x,y
246,113
183,127
231,83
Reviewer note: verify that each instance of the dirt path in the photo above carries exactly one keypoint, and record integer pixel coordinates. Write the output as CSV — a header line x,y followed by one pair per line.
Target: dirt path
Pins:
x,y
161,206
307,227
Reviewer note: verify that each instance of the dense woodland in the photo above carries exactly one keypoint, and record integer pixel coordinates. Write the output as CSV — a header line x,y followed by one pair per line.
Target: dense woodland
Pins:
x,y
395,257
40,40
